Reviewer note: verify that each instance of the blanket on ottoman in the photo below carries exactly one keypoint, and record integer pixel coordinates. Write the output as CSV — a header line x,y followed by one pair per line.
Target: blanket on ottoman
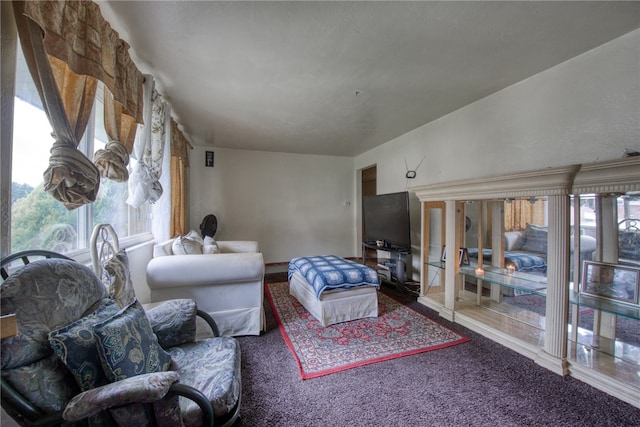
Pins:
x,y
522,261
332,272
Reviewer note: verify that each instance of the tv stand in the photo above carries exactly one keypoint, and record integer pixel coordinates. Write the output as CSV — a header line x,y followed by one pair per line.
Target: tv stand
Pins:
x,y
398,259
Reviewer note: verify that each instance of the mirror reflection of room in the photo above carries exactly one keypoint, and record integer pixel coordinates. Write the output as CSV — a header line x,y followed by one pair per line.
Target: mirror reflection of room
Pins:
x,y
613,222
525,235
517,229
628,209
611,281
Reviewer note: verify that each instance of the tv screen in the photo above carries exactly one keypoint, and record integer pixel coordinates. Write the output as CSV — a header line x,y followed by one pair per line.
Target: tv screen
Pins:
x,y
386,217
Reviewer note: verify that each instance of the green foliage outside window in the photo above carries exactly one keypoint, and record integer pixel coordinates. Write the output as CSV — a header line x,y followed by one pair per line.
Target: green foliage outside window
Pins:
x,y
38,221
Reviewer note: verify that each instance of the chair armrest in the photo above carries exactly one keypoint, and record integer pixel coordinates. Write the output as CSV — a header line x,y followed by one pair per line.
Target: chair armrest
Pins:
x,y
209,321
208,416
204,270
144,388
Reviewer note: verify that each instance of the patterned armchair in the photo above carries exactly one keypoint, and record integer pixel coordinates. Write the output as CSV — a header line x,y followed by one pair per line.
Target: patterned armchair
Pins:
x,y
81,359
629,241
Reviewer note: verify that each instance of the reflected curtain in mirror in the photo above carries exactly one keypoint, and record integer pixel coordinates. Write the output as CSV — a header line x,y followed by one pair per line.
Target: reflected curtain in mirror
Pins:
x,y
519,212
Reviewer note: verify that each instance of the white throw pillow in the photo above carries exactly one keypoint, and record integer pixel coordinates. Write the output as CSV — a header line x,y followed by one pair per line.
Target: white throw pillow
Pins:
x,y
190,244
210,246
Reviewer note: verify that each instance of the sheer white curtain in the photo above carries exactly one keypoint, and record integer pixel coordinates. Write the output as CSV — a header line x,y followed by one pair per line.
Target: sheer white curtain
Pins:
x,y
148,150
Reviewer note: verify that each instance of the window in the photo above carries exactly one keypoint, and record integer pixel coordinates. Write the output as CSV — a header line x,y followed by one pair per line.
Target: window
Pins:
x,y
38,221
110,205
610,225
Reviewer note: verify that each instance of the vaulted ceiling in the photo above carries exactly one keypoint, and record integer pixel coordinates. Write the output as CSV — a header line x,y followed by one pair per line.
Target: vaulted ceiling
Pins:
x,y
339,78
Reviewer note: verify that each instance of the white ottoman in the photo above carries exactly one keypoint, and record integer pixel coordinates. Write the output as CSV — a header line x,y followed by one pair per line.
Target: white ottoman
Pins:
x,y
336,305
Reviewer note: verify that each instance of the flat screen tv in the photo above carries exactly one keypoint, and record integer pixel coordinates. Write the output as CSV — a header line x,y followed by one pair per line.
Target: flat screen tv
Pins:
x,y
386,217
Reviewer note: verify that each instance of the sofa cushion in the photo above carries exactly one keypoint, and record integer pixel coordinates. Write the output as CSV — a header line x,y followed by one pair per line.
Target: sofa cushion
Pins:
x,y
127,345
210,246
212,366
535,239
46,383
189,244
75,345
513,240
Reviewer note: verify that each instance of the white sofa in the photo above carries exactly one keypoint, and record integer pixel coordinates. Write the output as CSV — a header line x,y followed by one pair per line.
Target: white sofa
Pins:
x,y
228,285
517,241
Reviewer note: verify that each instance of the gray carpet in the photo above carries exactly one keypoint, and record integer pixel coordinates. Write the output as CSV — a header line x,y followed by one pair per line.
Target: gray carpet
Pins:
x,y
479,383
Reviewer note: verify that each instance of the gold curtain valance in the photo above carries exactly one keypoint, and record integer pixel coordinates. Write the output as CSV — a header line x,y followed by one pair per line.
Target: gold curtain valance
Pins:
x,y
77,33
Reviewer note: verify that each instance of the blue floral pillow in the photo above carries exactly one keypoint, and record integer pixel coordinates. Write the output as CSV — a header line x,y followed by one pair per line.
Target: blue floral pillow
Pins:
x,y
75,345
127,345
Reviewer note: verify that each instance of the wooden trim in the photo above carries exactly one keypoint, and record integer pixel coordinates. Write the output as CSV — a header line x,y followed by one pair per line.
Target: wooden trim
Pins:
x,y
8,326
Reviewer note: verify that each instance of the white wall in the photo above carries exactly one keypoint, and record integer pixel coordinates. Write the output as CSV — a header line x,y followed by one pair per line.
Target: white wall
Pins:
x,y
293,205
584,110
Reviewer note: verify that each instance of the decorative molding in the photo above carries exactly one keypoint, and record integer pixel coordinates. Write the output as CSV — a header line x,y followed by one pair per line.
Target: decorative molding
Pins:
x,y
546,182
614,176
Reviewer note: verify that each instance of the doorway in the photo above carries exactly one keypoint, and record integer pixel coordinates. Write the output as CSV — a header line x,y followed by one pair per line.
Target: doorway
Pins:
x,y
369,188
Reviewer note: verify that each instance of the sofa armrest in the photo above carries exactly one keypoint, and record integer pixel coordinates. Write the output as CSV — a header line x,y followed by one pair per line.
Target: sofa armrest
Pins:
x,y
202,270
587,244
238,246
163,248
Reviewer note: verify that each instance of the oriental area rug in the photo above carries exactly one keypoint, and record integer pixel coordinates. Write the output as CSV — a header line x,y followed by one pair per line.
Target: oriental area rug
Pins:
x,y
397,331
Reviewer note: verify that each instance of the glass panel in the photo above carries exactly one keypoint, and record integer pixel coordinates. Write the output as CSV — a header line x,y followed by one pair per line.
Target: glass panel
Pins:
x,y
38,221
433,243
516,284
629,229
436,224
525,237
609,234
628,220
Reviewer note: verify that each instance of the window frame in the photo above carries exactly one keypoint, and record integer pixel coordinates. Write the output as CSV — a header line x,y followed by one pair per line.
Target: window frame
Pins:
x,y
10,48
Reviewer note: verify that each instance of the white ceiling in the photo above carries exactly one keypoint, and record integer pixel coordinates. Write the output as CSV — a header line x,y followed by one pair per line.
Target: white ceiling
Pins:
x,y
339,78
